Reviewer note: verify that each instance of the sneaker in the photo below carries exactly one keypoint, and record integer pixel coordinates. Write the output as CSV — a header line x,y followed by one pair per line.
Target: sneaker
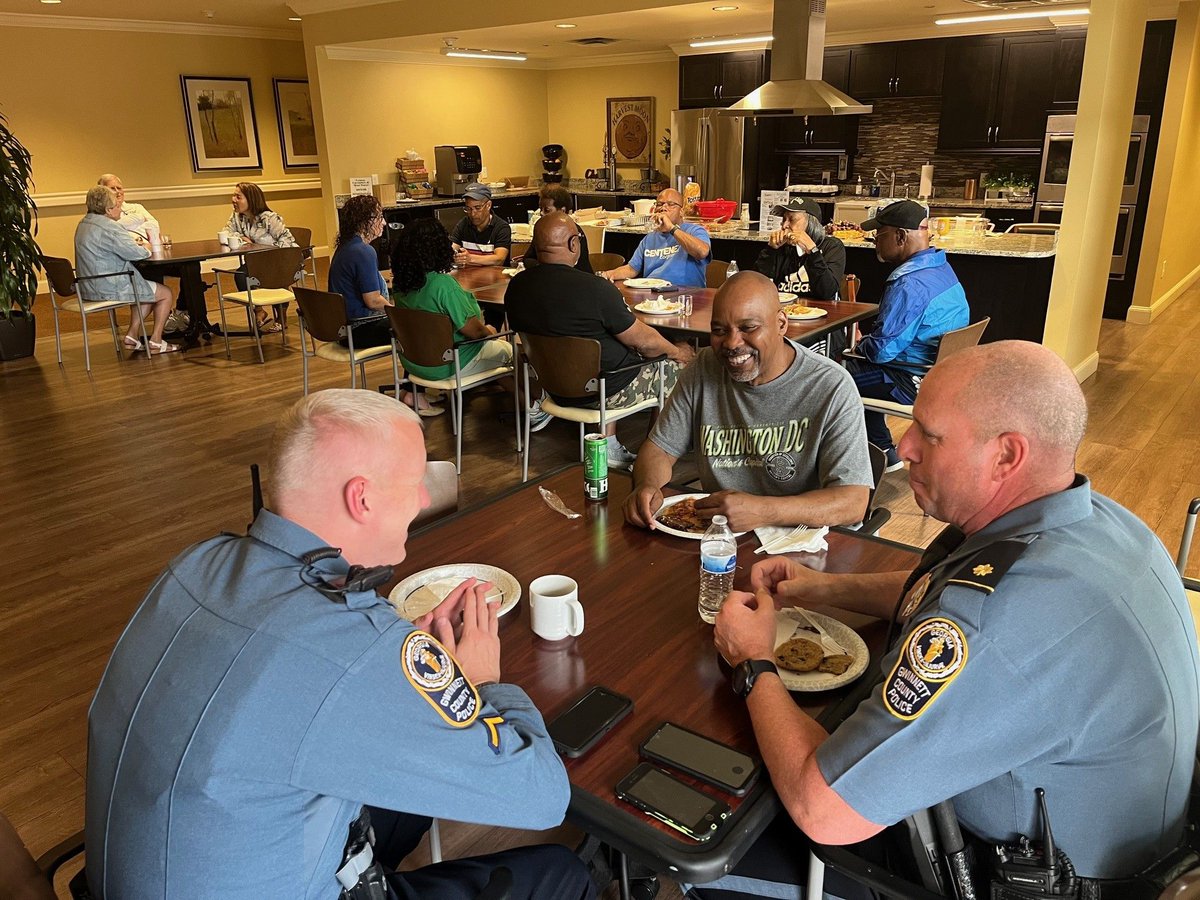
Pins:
x,y
537,418
177,321
894,462
621,458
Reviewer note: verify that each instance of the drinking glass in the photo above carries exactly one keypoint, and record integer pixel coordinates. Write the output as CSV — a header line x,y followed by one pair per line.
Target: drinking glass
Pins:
x,y
686,303
166,242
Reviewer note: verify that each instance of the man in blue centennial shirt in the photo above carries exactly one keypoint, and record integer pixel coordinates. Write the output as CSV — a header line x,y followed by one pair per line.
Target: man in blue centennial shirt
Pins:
x,y
675,250
251,709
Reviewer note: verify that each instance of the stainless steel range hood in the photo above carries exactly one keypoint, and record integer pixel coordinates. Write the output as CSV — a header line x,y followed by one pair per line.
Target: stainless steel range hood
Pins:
x,y
797,58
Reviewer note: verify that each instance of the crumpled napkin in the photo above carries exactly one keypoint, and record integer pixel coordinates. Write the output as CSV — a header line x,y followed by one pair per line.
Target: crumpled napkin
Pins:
x,y
511,272
782,539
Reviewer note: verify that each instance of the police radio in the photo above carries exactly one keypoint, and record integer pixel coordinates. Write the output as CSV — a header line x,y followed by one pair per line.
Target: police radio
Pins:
x,y
1024,869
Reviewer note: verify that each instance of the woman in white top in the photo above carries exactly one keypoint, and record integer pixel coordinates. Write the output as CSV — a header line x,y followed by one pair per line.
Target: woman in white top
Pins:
x,y
259,224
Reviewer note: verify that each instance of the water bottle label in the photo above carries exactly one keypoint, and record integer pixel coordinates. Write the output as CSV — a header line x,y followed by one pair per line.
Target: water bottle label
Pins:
x,y
718,565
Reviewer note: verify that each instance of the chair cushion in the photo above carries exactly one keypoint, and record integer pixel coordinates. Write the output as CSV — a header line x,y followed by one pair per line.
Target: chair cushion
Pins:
x,y
262,297
90,306
338,353
447,384
592,416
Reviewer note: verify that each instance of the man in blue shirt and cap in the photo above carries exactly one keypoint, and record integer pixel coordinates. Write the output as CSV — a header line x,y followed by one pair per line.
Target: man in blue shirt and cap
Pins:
x,y
675,251
264,694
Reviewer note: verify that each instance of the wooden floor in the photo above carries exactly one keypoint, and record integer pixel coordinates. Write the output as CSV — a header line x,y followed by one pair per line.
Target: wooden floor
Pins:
x,y
107,477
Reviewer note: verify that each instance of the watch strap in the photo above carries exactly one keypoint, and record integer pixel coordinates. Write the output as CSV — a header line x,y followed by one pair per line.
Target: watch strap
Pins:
x,y
747,673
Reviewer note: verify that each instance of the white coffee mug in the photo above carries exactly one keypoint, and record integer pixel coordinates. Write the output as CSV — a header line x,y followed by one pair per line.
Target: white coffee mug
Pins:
x,y
223,237
554,607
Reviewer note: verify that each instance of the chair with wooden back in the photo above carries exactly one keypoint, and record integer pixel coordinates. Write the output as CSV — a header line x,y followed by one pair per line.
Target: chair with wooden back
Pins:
x,y
270,275
570,367
303,238
322,319
427,339
66,289
849,288
602,262
716,273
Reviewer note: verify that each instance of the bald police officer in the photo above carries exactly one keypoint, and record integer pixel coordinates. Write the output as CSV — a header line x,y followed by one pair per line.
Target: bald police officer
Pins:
x,y
264,693
1046,642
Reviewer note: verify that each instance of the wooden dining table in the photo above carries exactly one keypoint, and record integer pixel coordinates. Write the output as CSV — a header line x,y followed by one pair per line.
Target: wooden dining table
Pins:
x,y
643,638
489,285
183,259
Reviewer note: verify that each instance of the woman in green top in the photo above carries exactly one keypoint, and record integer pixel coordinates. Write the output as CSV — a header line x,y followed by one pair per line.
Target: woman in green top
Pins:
x,y
420,261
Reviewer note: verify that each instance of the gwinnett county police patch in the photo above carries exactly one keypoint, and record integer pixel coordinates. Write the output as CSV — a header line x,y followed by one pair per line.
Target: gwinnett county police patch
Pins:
x,y
932,657
435,674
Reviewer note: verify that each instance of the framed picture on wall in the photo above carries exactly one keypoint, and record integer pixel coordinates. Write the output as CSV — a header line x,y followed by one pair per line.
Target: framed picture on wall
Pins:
x,y
222,130
297,133
630,129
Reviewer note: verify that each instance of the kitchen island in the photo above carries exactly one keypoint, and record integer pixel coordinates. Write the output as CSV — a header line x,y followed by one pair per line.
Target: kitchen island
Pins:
x,y
1005,276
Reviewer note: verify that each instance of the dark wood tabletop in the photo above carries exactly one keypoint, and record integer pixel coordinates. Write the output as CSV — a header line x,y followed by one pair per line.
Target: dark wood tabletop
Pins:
x,y
198,251
643,638
489,284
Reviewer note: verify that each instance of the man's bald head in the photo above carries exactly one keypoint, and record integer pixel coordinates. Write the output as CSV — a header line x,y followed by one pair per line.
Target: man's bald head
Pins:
x,y
748,289
1021,387
552,236
747,329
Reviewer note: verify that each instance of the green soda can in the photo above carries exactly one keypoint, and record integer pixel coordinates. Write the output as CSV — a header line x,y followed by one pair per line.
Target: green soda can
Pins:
x,y
595,466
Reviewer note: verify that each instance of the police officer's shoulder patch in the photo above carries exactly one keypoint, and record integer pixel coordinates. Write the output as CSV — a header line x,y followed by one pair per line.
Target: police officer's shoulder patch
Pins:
x,y
932,656
437,677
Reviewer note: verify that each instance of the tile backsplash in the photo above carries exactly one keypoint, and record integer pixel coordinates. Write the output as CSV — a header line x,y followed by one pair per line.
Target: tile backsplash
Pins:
x,y
901,134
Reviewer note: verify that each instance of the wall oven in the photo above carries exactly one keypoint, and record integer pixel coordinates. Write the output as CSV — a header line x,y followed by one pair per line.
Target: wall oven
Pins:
x,y
1056,158
1052,212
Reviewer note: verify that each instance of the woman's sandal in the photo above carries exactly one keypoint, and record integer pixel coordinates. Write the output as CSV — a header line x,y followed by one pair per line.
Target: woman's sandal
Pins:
x,y
131,343
164,347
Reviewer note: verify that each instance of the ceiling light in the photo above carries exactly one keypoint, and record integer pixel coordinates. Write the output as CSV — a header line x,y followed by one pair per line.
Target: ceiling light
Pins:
x,y
721,42
1046,13
724,8
565,25
466,53
49,2
293,18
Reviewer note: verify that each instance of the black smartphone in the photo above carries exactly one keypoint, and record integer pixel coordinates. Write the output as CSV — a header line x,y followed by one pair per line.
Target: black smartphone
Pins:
x,y
701,757
666,289
584,722
672,802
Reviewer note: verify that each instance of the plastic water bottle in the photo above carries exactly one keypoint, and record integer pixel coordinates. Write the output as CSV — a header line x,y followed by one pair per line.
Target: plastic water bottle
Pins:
x,y
718,559
730,272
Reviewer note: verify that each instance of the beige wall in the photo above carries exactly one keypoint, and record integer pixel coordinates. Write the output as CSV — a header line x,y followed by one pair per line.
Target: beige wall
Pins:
x,y
577,108
88,102
1170,259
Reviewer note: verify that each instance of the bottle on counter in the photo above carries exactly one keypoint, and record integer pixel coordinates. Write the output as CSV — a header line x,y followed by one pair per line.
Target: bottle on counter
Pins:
x,y
858,187
732,270
718,560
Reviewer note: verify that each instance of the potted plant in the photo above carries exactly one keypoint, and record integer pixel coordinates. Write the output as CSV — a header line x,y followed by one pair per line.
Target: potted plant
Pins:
x,y
1010,185
20,257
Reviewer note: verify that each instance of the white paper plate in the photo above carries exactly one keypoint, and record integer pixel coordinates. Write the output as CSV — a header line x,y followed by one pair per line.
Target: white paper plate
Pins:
x,y
646,283
671,309
666,529
787,622
443,579
815,314
785,297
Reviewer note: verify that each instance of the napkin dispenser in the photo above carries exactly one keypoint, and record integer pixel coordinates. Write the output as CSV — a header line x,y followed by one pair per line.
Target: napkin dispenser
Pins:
x,y
457,166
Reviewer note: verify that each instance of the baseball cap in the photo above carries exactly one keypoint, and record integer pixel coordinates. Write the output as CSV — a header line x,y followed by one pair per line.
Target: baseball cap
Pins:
x,y
797,205
901,214
477,191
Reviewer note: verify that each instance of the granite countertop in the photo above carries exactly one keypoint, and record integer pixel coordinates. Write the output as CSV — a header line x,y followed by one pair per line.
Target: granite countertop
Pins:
x,y
960,203
1028,246
454,201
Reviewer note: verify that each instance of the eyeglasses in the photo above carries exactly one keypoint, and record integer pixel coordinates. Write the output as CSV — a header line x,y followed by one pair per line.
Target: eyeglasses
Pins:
x,y
661,203
469,208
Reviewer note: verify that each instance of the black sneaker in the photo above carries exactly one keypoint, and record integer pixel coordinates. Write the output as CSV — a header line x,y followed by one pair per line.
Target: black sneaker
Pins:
x,y
894,462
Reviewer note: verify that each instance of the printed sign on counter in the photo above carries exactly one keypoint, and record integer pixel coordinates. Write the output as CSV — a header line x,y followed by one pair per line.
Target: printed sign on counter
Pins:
x,y
360,186
767,201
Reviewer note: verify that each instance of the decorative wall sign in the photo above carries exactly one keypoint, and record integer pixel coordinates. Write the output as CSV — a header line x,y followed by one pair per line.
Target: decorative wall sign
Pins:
x,y
221,125
297,133
631,129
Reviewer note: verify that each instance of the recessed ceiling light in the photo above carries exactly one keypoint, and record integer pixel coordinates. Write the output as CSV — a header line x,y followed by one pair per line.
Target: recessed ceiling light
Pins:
x,y
721,42
465,53
1045,13
293,18
565,25
724,8
51,2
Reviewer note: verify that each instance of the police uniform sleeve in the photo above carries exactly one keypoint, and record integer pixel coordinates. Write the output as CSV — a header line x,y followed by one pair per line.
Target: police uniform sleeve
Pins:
x,y
954,711
674,432
405,730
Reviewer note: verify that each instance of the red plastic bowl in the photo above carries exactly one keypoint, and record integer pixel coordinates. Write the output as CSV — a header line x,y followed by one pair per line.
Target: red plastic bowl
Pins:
x,y
720,210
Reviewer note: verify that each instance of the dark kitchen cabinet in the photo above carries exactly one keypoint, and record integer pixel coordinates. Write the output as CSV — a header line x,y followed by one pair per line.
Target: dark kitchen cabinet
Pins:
x,y
835,71
1152,76
719,79
897,69
996,92
1068,69
816,134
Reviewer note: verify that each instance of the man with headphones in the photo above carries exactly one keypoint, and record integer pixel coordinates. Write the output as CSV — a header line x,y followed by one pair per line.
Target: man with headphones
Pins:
x,y
264,695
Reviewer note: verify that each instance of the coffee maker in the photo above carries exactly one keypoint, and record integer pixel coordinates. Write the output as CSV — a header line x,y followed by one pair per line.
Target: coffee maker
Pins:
x,y
552,163
457,167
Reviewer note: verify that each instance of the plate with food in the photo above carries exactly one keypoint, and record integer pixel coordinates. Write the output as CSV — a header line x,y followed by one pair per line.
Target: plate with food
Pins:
x,y
659,307
799,311
419,593
804,663
785,297
647,283
678,516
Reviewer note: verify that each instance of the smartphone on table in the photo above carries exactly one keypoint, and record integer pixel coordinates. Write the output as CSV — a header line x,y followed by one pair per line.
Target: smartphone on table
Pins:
x,y
702,757
666,798
581,726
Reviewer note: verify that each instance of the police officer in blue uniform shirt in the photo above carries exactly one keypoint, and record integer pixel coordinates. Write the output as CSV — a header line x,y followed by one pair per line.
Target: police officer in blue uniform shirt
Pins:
x,y
1046,642
261,697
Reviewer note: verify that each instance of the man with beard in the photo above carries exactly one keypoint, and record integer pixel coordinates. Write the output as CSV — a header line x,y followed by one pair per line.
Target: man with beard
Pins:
x,y
777,430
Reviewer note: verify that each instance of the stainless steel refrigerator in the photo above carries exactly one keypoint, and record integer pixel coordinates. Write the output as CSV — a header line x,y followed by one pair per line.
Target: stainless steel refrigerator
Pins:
x,y
720,152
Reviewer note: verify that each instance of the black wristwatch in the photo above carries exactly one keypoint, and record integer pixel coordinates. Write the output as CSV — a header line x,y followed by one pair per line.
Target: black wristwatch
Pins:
x,y
747,673
674,228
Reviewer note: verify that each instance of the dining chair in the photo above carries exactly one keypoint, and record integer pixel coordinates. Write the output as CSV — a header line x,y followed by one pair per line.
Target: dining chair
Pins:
x,y
270,275
602,262
570,367
427,339
303,238
952,342
716,273
322,319
66,295
450,216
1033,228
849,288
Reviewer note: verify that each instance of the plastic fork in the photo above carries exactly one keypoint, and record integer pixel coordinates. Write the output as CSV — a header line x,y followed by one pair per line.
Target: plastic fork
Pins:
x,y
828,644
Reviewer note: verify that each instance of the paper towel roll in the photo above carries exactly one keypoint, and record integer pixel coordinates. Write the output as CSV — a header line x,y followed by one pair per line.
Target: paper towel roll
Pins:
x,y
926,181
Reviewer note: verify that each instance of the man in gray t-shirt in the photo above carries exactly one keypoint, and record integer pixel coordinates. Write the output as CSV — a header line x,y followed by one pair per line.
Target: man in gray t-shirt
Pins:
x,y
778,430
